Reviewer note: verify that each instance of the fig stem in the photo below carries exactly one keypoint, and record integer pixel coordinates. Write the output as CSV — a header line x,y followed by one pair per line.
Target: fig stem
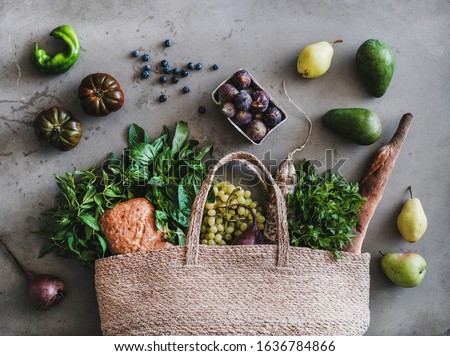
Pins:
x,y
381,253
336,41
21,266
307,118
410,192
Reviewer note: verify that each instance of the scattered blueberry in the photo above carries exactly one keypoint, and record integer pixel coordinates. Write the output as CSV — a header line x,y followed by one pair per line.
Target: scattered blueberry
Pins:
x,y
168,43
145,74
201,109
146,57
164,63
184,73
167,69
175,79
176,70
148,67
215,66
186,89
198,66
190,65
135,54
162,98
163,79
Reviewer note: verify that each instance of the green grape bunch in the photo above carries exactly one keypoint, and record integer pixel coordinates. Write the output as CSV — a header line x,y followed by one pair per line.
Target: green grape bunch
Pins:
x,y
223,220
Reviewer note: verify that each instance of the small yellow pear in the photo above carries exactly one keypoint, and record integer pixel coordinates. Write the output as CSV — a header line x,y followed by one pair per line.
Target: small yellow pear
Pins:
x,y
315,59
412,221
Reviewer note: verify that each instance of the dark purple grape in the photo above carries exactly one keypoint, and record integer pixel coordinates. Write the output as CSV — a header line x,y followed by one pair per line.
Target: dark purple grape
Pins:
x,y
242,118
256,130
242,79
228,109
242,101
260,101
226,93
273,116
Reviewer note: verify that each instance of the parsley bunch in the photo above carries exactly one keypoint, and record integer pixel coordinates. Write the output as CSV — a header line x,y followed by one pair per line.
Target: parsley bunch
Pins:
x,y
323,210
168,173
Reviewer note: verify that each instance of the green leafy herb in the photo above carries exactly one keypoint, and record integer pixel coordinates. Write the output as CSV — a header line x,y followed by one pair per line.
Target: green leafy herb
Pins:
x,y
169,175
323,211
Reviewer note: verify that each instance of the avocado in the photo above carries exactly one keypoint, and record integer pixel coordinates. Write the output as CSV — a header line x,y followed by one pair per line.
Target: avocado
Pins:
x,y
375,62
359,125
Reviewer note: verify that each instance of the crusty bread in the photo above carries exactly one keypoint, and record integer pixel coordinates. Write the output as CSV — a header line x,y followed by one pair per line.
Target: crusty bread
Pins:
x,y
130,227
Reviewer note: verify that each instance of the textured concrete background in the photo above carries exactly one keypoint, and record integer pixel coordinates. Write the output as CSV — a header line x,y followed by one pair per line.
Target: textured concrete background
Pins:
x,y
265,37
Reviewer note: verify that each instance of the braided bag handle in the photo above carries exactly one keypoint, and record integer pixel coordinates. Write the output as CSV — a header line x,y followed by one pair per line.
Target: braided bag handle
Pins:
x,y
193,233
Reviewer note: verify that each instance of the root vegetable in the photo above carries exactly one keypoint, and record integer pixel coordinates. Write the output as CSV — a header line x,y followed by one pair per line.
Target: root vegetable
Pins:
x,y
374,183
45,290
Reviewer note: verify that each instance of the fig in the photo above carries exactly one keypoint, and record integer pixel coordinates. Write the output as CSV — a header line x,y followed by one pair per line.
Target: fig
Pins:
x,y
242,118
256,130
260,101
249,90
226,93
242,101
272,116
228,109
242,79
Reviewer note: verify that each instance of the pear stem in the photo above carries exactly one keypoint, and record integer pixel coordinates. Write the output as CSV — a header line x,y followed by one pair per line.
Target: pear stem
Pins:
x,y
381,253
336,41
410,192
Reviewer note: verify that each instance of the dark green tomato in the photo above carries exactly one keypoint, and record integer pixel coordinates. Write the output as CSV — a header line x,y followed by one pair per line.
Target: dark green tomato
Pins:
x,y
58,126
100,94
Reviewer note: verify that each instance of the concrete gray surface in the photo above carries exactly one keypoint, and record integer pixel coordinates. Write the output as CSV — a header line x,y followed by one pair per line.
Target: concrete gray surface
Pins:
x,y
265,37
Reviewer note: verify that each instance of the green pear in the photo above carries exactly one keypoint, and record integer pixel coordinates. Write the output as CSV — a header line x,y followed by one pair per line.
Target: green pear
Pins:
x,y
315,59
412,221
404,269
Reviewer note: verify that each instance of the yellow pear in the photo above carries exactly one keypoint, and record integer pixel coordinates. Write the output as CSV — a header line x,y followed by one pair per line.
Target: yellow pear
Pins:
x,y
315,59
412,221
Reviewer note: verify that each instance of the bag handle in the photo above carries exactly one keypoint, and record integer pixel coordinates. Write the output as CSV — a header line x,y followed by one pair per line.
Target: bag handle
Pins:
x,y
193,233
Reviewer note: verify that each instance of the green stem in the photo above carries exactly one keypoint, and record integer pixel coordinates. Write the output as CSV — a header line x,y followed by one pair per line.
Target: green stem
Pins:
x,y
410,192
336,41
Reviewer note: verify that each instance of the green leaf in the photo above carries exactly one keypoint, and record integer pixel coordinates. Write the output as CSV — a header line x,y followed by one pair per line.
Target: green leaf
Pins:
x,y
202,153
103,244
137,134
90,221
184,201
143,153
180,137
180,218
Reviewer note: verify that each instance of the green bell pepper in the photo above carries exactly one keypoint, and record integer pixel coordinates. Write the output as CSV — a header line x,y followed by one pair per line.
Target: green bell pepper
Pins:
x,y
62,61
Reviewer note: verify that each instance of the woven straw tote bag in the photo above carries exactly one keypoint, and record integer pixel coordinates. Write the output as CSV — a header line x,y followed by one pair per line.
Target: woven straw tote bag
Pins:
x,y
234,290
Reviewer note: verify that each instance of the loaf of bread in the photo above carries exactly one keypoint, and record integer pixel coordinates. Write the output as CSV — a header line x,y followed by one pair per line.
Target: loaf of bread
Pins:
x,y
130,227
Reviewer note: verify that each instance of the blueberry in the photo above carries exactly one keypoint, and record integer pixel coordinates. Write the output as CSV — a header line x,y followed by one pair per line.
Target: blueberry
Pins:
x,y
146,57
184,73
176,70
168,43
164,63
145,74
162,98
190,65
201,109
186,89
175,79
147,67
135,54
198,66
215,66
167,69
163,79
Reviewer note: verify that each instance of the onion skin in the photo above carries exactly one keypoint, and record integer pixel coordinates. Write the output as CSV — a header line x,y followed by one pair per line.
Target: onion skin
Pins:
x,y
45,291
